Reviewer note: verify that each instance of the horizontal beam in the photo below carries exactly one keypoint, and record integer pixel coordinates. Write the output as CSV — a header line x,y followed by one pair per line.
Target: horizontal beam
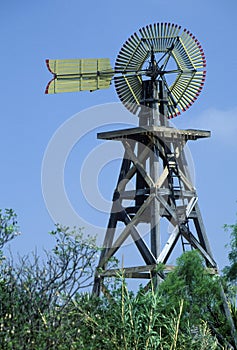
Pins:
x,y
142,271
165,133
133,270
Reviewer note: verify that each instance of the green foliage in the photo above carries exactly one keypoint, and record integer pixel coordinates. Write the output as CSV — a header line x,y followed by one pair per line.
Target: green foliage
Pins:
x,y
42,305
8,226
35,292
138,321
230,272
200,290
176,316
192,282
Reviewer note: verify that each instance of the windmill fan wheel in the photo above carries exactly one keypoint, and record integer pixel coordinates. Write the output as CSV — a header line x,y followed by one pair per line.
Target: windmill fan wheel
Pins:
x,y
180,63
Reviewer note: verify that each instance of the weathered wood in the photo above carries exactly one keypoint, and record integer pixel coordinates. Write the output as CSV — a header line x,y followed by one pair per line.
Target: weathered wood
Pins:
x,y
169,246
139,166
167,206
133,193
155,195
199,225
186,181
126,232
162,178
139,270
194,242
158,131
132,170
147,253
166,192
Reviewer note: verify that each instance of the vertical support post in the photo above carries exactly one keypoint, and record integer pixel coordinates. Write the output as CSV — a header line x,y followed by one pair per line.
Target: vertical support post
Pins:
x,y
154,173
155,207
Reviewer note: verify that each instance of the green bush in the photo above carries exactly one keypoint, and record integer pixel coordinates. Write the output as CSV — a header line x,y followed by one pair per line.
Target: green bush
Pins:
x,y
43,306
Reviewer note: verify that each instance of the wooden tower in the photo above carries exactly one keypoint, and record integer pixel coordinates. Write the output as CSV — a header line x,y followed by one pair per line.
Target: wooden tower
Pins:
x,y
155,163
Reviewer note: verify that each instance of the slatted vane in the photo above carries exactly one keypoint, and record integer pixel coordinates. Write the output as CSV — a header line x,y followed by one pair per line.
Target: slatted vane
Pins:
x,y
79,75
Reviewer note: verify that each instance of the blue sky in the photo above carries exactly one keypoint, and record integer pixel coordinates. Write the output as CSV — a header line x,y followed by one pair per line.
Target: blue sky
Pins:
x,y
33,31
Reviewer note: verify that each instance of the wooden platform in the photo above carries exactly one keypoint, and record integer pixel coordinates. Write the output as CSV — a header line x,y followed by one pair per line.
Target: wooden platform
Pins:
x,y
158,131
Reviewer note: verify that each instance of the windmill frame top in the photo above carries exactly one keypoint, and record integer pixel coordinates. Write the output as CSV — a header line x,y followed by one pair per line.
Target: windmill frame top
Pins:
x,y
137,61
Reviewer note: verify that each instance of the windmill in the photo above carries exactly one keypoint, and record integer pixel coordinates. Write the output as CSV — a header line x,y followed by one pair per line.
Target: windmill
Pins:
x,y
158,74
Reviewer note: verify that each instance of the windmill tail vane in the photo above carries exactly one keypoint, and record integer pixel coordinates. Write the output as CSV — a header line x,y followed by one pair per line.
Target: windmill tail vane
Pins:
x,y
74,75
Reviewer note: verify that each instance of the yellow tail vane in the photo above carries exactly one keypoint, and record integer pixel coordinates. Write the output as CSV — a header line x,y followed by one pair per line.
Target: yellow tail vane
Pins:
x,y
79,75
